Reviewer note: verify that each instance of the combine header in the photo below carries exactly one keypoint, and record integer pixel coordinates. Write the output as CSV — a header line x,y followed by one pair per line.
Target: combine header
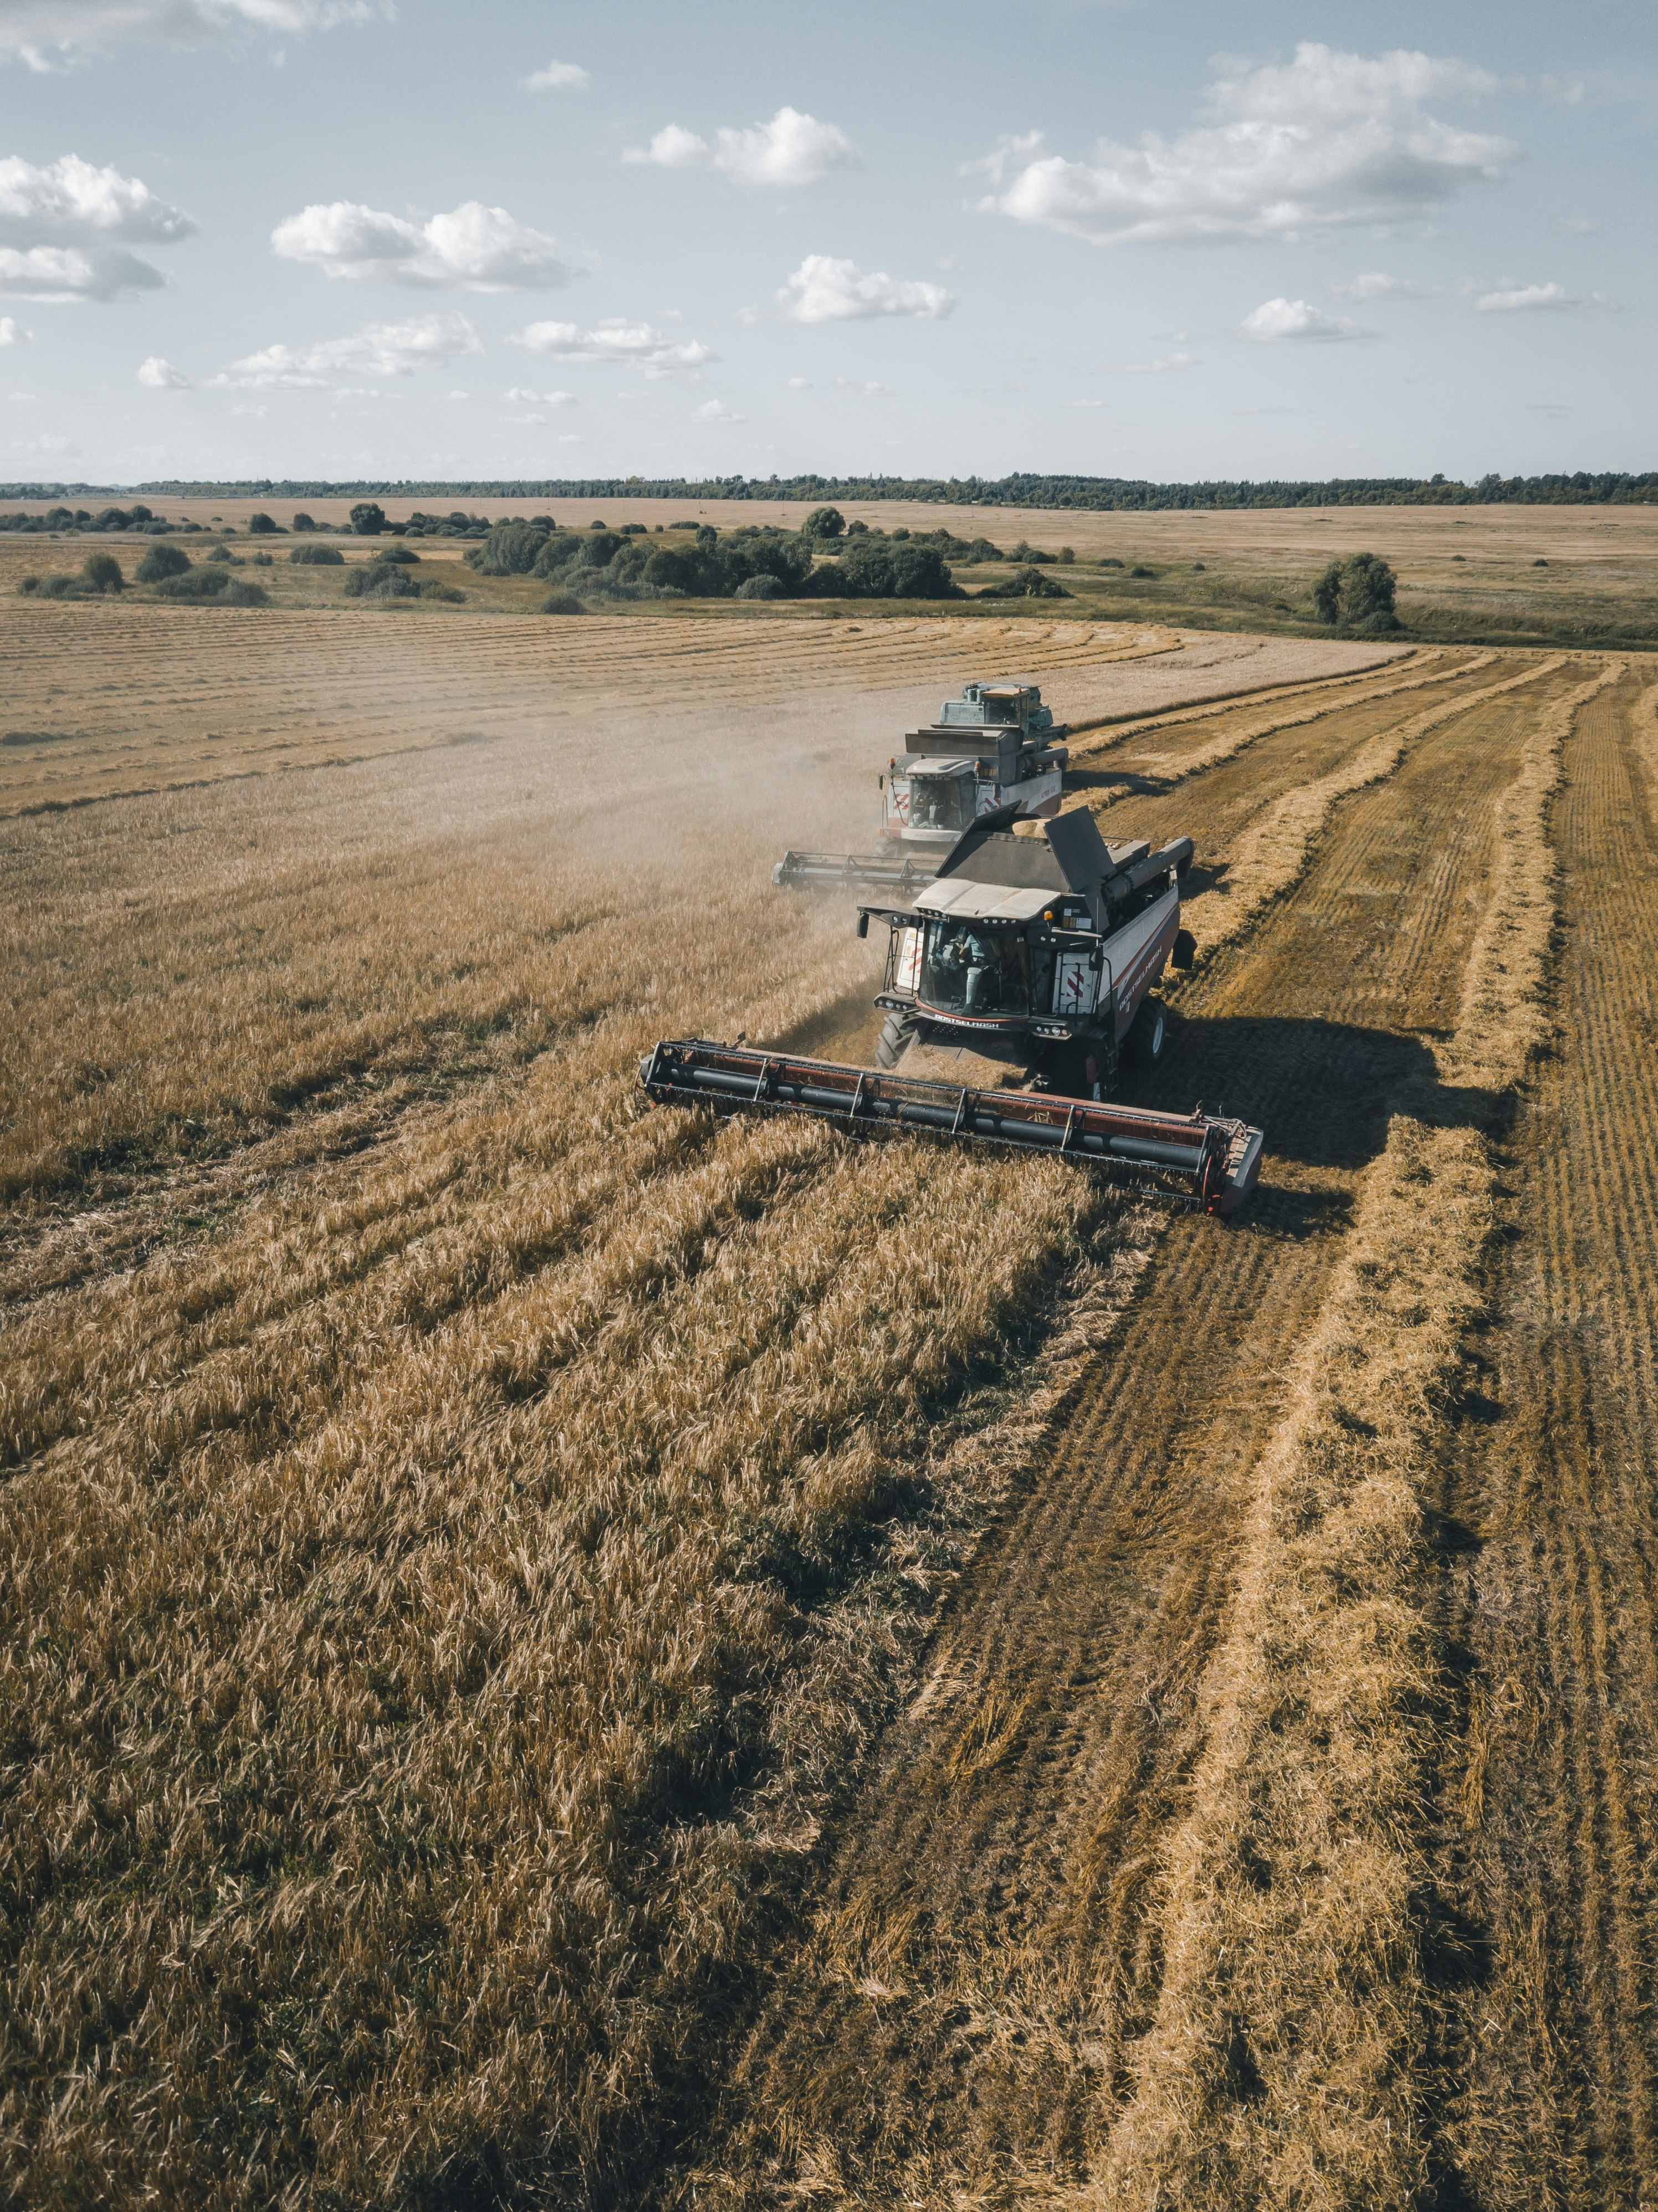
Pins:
x,y
1197,1157
1038,952
996,746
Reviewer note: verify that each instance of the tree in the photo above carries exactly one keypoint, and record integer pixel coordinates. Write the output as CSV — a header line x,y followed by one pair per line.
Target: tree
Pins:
x,y
102,572
824,522
302,521
1357,592
160,562
261,525
512,549
368,519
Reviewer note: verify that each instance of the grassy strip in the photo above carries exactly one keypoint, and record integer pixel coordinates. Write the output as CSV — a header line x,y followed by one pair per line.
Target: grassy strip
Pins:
x,y
1282,2065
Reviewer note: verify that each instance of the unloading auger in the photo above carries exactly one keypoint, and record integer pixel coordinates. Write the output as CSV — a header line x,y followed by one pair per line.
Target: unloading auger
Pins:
x,y
1038,952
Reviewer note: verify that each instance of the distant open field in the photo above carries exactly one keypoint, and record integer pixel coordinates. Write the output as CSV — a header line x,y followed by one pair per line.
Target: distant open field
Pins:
x,y
1465,575
557,1653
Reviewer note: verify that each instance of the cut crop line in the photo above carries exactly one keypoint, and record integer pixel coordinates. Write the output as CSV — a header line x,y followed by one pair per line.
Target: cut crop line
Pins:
x,y
1273,856
1284,2061
1126,727
1175,768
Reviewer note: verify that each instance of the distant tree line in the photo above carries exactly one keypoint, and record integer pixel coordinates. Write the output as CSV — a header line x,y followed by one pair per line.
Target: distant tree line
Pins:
x,y
1108,493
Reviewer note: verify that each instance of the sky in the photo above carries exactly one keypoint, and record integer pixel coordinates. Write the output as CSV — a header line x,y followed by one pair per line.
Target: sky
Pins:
x,y
396,239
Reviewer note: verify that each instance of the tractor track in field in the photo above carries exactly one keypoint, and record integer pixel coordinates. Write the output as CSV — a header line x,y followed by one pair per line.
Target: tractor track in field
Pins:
x,y
979,1959
1547,1800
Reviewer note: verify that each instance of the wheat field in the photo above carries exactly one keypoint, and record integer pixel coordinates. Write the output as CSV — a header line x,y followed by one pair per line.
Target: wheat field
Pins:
x,y
555,1652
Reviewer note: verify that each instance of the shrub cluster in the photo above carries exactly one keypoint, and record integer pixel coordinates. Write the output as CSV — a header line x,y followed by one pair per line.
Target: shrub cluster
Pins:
x,y
99,576
750,563
317,557
1359,594
386,577
57,519
1025,583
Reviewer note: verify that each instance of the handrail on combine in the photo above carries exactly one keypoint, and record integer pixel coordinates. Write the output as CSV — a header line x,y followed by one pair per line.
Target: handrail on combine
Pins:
x,y
1204,1160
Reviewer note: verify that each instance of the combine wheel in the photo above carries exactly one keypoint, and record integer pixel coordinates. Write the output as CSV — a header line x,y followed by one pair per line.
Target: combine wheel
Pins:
x,y
1146,1035
897,1034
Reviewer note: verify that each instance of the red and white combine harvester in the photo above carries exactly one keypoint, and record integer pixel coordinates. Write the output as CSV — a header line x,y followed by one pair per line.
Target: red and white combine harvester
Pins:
x,y
1040,952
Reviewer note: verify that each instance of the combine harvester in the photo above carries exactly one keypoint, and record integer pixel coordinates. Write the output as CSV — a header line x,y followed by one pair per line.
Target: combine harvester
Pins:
x,y
1040,952
994,747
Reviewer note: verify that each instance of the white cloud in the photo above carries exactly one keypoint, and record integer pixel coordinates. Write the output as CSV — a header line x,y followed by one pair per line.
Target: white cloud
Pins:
x,y
49,33
473,248
1295,322
65,228
799,383
1160,363
59,276
871,390
10,332
792,149
825,290
714,410
615,339
1329,138
377,349
521,395
1375,285
559,76
158,375
532,416
47,445
1509,298
72,203
257,412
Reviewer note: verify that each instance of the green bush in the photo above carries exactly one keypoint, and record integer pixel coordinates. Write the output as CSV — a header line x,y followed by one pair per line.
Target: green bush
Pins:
x,y
261,525
1358,594
160,562
563,603
381,580
1139,568
47,587
874,569
302,521
761,587
1026,583
216,587
824,522
1031,556
512,549
368,519
102,572
316,557
431,589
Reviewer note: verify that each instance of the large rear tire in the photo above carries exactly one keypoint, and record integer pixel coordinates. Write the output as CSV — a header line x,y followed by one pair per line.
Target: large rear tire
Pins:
x,y
1147,1035
898,1034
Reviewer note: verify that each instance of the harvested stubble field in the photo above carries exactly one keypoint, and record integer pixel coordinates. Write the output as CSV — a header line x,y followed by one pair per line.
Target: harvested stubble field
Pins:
x,y
554,1652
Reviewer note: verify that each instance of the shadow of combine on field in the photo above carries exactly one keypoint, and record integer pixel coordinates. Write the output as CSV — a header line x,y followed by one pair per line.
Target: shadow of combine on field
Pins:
x,y
1322,1091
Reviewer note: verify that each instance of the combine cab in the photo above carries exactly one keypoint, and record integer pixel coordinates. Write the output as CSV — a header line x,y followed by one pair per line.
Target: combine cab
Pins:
x,y
1040,953
996,746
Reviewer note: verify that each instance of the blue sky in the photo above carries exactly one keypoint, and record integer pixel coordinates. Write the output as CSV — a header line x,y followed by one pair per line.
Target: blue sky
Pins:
x,y
249,237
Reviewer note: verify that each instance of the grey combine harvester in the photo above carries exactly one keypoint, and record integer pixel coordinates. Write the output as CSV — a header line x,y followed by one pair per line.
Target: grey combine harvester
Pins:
x,y
1040,952
996,746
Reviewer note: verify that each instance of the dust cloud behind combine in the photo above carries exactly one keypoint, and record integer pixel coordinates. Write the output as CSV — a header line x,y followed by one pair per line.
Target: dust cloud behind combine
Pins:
x,y
558,1651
